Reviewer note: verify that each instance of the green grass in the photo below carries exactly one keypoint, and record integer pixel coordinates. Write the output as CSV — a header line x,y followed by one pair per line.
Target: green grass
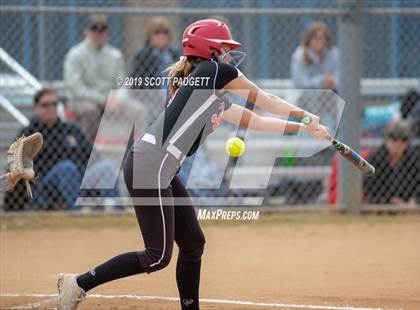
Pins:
x,y
60,221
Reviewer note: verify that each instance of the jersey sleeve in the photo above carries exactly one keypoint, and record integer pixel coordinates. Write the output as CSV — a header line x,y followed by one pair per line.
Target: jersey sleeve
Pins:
x,y
225,74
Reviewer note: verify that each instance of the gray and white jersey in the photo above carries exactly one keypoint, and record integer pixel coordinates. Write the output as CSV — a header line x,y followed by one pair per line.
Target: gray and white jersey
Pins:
x,y
194,112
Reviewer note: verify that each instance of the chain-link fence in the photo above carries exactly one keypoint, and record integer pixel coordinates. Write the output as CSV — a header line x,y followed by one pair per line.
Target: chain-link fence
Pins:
x,y
366,52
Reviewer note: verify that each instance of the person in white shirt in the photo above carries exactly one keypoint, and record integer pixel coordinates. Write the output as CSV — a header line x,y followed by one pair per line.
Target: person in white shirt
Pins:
x,y
315,61
91,71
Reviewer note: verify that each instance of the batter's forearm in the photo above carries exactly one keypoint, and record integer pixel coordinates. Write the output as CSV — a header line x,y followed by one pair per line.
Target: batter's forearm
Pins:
x,y
248,119
275,125
279,106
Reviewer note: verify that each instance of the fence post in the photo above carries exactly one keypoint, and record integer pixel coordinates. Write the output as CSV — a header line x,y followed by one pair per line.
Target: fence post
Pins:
x,y
350,47
41,44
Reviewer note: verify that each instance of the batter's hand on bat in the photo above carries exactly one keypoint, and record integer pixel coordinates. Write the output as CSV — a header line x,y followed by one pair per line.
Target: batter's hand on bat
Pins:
x,y
311,121
314,128
320,133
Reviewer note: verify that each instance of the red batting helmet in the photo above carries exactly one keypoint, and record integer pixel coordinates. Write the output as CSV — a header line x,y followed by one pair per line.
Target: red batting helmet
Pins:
x,y
204,34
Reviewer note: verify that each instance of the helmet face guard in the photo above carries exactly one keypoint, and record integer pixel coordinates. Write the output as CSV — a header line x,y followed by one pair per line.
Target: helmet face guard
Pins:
x,y
231,57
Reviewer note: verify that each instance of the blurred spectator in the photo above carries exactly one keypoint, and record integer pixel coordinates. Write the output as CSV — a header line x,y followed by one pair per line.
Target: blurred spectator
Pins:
x,y
62,161
150,61
410,111
315,62
410,104
90,71
156,54
397,177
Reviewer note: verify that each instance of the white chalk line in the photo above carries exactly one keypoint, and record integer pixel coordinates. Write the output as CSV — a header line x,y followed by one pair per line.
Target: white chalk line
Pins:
x,y
202,300
37,305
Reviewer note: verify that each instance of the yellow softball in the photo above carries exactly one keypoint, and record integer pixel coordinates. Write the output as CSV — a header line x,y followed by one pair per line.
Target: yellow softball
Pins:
x,y
235,147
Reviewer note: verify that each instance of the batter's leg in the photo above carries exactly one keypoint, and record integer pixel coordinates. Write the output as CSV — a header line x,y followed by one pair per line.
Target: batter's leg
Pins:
x,y
157,227
190,239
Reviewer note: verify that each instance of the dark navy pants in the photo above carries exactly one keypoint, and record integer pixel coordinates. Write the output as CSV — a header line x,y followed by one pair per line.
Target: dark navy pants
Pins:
x,y
161,222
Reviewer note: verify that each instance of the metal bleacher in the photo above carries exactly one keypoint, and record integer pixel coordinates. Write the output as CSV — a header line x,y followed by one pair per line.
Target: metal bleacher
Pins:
x,y
19,94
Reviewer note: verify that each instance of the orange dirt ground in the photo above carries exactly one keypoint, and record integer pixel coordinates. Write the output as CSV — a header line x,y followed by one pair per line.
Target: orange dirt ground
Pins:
x,y
366,261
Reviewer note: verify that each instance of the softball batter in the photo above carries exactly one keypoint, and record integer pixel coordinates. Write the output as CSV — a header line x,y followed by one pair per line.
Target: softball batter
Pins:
x,y
191,114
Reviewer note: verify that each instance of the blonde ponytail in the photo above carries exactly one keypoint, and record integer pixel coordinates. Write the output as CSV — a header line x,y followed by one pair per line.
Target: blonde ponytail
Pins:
x,y
182,68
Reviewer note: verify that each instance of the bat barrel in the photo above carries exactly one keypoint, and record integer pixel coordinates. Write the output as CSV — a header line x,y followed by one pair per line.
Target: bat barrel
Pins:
x,y
348,153
356,159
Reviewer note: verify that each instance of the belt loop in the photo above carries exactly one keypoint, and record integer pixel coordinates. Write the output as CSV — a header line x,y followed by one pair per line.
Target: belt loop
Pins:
x,y
171,149
174,151
149,138
177,153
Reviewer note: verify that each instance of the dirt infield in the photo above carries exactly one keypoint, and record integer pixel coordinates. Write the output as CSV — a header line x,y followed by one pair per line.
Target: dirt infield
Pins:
x,y
318,260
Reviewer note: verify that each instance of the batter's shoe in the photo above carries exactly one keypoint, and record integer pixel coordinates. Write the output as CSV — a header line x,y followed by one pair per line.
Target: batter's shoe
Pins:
x,y
69,293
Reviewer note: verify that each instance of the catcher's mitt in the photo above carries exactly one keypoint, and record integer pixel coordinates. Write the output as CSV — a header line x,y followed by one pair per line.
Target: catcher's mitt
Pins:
x,y
20,158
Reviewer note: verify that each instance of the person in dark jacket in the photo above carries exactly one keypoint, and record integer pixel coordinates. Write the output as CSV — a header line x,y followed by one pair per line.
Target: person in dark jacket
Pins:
x,y
156,55
410,111
151,61
397,177
61,163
